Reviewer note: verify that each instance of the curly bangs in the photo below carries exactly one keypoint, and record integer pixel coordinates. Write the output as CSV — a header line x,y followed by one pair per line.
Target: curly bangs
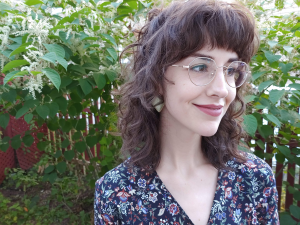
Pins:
x,y
170,35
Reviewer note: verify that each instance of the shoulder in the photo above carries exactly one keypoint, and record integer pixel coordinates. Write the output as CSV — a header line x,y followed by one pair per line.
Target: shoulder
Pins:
x,y
116,176
120,178
253,168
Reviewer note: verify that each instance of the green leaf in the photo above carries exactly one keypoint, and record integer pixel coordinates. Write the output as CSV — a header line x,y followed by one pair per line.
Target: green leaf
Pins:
x,y
113,53
297,195
250,124
22,48
286,219
40,135
297,33
33,2
295,211
107,153
78,69
100,80
10,76
85,86
249,98
275,95
62,62
4,120
49,169
16,142
5,144
110,39
43,111
21,112
261,144
72,111
61,167
111,75
289,49
257,75
57,49
272,43
57,154
4,6
91,141
80,146
14,64
53,109
28,140
67,126
42,145
62,103
284,150
80,124
53,76
78,107
31,103
65,81
28,117
270,57
65,143
50,56
273,119
10,96
69,155
294,85
264,85
52,177
285,68
291,189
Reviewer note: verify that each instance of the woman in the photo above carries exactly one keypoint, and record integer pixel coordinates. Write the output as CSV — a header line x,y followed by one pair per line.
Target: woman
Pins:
x,y
180,122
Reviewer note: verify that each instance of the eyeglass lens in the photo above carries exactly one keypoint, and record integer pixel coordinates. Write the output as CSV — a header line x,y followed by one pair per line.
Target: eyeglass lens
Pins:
x,y
202,71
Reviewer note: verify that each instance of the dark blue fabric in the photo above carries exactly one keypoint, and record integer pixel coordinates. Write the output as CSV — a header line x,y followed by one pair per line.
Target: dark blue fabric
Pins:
x,y
132,196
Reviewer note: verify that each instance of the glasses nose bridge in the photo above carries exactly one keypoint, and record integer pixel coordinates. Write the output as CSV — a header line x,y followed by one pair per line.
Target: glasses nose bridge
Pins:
x,y
224,69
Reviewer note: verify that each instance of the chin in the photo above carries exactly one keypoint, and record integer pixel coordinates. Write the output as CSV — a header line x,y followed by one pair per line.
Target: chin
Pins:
x,y
209,134
209,129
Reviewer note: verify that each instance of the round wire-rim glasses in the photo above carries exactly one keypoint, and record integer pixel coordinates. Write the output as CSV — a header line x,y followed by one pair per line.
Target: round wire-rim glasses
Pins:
x,y
202,71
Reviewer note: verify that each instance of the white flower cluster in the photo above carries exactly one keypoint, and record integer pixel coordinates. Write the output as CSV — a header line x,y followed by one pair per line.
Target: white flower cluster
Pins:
x,y
39,29
35,83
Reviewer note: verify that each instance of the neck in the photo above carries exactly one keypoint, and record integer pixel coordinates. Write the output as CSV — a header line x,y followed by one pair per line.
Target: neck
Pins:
x,y
180,147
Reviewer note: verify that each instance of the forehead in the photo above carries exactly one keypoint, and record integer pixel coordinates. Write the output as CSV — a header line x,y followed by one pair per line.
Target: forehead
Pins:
x,y
219,55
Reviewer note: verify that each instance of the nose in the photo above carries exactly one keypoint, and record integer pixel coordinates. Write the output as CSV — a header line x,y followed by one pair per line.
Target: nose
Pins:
x,y
218,86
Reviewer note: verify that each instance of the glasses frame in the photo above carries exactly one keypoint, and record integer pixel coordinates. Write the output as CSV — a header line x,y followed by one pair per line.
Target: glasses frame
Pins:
x,y
214,73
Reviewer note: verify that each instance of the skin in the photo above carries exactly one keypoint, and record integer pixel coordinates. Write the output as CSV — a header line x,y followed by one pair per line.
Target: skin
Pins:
x,y
187,174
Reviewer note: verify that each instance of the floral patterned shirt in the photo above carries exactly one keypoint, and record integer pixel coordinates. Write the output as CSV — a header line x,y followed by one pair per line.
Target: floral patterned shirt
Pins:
x,y
246,195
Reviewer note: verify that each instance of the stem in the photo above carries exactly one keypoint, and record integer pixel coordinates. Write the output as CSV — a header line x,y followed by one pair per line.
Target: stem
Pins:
x,y
280,171
90,155
64,198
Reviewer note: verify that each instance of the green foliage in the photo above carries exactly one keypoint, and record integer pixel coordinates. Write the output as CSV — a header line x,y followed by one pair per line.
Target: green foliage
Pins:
x,y
68,61
275,92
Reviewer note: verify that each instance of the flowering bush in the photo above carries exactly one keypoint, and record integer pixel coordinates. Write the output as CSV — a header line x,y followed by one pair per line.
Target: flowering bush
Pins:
x,y
58,58
273,119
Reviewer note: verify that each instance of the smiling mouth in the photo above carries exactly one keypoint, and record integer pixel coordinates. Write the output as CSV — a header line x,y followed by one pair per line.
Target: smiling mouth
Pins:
x,y
211,110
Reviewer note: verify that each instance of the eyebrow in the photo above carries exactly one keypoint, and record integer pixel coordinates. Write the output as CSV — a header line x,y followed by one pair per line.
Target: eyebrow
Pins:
x,y
207,56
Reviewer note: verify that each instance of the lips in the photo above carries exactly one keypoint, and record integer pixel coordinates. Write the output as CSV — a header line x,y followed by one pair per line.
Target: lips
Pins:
x,y
212,110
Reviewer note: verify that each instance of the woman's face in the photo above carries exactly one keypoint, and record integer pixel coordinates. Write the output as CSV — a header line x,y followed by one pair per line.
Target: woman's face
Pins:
x,y
198,109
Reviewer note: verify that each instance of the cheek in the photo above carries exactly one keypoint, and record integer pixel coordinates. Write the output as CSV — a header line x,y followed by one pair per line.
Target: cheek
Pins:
x,y
231,95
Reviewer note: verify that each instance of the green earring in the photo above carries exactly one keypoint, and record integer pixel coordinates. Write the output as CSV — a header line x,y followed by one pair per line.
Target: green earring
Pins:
x,y
158,104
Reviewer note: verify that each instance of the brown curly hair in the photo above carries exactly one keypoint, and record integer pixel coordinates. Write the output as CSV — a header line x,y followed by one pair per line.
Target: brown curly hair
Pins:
x,y
169,36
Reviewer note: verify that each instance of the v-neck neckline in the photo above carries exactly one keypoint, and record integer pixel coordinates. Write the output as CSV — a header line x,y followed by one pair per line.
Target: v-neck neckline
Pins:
x,y
179,206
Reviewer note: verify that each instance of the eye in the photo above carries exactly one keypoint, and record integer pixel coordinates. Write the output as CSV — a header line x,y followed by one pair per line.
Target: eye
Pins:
x,y
199,68
231,71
